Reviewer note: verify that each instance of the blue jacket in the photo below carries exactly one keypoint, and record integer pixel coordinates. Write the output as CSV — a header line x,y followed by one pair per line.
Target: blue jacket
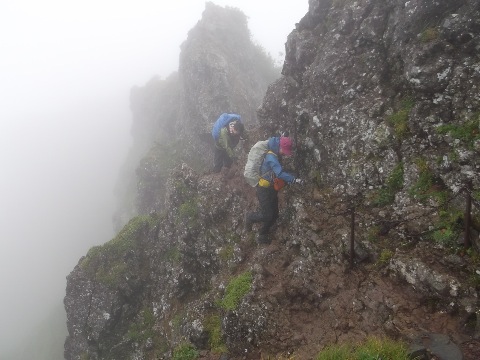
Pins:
x,y
271,164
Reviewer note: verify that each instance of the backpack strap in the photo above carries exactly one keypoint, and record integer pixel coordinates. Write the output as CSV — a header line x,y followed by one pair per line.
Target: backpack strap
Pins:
x,y
263,160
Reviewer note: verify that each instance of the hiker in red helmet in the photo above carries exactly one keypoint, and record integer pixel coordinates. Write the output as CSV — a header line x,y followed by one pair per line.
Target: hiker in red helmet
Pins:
x,y
271,173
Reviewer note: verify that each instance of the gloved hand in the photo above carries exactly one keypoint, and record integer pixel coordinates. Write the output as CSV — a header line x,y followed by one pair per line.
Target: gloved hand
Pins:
x,y
299,181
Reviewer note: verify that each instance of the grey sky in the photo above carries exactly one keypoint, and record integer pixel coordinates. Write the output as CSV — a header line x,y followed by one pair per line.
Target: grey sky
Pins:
x,y
66,70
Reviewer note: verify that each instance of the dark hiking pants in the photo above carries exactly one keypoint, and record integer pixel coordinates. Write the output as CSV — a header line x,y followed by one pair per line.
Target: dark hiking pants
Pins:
x,y
268,214
221,159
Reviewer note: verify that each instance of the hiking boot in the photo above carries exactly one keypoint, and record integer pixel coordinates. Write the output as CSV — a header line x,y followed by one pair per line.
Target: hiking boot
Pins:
x,y
247,223
263,239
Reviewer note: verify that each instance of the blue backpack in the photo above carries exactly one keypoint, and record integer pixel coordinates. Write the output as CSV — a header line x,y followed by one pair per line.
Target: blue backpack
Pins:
x,y
223,121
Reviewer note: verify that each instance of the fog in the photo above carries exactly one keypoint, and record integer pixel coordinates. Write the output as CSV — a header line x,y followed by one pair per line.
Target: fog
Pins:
x,y
66,70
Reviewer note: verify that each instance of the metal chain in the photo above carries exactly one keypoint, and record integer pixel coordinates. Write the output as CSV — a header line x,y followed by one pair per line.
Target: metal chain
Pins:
x,y
358,203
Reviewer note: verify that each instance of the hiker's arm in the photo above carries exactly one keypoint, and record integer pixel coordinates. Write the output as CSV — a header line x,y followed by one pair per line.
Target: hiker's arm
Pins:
x,y
277,169
223,143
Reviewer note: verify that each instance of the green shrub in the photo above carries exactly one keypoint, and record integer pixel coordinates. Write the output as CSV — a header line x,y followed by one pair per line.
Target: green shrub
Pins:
x,y
448,227
383,197
213,325
385,256
185,352
467,133
393,184
188,212
399,119
428,186
236,289
444,236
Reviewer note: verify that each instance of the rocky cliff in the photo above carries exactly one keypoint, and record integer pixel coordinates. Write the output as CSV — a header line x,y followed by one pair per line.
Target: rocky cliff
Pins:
x,y
382,99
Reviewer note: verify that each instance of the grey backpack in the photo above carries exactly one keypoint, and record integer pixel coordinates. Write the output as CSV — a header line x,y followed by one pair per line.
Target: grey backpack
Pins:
x,y
254,161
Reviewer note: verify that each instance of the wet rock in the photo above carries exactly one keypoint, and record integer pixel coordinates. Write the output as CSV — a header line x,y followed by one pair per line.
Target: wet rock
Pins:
x,y
438,346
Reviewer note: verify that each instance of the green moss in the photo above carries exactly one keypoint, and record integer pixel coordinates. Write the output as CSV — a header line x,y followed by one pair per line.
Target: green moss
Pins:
x,y
428,186
474,256
372,349
467,133
335,352
226,253
177,320
185,352
474,280
476,195
395,180
399,119
444,235
213,325
373,234
429,34
385,257
236,289
106,262
383,197
188,209
382,349
449,226
188,212
173,255
143,329
393,184
454,156
111,276
181,188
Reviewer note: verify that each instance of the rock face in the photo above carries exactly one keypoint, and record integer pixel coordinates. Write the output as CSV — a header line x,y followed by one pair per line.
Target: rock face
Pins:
x,y
370,84
382,100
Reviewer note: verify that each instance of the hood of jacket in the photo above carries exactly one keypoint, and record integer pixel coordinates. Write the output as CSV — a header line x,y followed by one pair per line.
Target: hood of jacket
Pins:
x,y
274,144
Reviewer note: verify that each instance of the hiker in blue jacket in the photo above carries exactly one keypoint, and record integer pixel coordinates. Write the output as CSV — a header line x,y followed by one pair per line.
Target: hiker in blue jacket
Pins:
x,y
266,193
229,137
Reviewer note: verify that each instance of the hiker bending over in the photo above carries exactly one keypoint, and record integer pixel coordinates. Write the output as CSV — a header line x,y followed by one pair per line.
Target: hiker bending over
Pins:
x,y
267,193
225,144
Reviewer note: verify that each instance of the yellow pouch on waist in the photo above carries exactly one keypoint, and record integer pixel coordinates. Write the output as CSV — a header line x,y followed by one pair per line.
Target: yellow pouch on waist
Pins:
x,y
263,183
